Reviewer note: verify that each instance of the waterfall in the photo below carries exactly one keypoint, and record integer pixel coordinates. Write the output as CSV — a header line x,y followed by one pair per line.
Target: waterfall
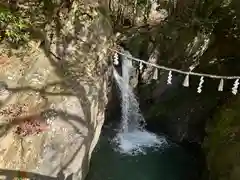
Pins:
x,y
132,137
131,116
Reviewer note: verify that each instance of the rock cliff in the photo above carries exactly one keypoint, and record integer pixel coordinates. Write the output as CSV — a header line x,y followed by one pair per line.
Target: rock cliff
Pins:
x,y
222,145
53,92
58,80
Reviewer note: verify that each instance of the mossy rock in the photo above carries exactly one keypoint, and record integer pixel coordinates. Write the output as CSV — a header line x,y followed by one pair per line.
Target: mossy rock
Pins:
x,y
222,144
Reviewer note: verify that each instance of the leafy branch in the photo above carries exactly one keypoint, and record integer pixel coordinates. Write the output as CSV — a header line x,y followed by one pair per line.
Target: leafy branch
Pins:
x,y
13,27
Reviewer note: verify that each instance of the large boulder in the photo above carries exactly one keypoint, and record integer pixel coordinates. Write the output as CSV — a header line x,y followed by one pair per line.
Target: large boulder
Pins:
x,y
53,97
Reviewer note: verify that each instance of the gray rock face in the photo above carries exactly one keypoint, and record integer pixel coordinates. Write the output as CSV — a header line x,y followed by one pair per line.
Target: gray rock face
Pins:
x,y
64,84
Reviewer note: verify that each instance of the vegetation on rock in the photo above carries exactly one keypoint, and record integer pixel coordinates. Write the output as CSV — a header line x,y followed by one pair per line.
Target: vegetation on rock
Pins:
x,y
222,145
178,30
13,26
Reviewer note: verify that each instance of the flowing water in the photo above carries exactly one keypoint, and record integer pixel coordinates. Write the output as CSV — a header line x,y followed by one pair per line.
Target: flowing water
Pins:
x,y
168,163
132,137
131,116
131,152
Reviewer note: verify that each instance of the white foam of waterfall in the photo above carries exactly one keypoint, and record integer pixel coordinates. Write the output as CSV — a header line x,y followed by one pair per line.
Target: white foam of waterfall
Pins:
x,y
131,116
132,137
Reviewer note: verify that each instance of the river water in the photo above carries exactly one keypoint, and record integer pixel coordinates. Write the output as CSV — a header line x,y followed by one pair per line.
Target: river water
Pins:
x,y
169,162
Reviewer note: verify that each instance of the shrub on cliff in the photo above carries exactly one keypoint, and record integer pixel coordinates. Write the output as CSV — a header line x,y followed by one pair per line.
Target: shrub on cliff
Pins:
x,y
13,27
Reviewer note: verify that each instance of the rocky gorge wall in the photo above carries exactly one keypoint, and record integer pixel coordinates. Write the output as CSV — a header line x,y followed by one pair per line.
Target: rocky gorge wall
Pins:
x,y
54,92
222,144
199,34
71,40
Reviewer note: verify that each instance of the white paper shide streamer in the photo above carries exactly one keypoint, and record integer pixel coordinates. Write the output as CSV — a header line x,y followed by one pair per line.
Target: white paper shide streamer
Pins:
x,y
115,59
186,81
220,87
155,74
169,81
235,87
199,89
141,66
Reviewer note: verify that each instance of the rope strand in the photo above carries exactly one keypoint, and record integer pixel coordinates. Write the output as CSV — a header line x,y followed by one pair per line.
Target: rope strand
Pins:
x,y
177,70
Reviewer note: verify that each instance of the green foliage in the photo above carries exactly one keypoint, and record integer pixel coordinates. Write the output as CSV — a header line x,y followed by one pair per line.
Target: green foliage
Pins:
x,y
142,2
13,27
